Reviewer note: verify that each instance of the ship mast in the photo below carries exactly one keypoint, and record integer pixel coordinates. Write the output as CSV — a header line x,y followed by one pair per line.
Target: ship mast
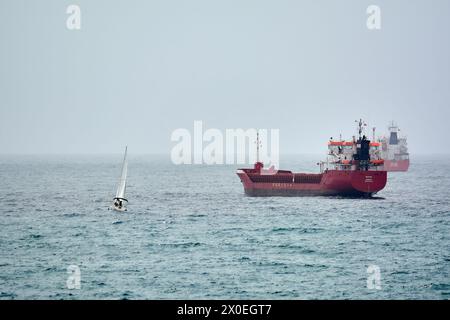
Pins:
x,y
360,127
257,145
393,127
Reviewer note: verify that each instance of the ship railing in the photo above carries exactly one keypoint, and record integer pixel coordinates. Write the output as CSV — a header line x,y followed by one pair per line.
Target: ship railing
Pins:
x,y
349,167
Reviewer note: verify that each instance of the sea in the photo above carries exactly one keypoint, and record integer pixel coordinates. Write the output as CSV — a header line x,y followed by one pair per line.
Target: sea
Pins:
x,y
191,233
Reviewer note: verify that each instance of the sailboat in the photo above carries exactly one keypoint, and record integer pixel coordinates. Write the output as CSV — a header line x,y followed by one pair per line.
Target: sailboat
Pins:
x,y
119,201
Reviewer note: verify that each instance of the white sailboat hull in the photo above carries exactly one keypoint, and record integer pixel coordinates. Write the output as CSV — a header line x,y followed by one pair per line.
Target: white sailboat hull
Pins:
x,y
123,209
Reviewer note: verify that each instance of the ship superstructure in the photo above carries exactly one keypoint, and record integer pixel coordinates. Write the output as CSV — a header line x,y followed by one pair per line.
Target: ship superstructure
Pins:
x,y
394,150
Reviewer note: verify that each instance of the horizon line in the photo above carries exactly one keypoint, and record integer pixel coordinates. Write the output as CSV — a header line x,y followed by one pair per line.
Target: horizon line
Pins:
x,y
168,154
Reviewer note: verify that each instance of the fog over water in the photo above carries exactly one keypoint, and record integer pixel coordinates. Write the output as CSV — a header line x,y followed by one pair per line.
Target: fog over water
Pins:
x,y
137,70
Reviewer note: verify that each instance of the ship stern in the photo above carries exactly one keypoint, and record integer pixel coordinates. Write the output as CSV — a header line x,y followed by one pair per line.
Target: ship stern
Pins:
x,y
368,182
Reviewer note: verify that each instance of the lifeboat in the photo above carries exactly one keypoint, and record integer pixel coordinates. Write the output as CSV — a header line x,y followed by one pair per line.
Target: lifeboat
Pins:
x,y
346,162
340,143
378,162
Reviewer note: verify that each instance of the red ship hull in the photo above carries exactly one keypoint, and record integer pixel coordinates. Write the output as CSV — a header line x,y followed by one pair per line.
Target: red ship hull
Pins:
x,y
329,183
396,165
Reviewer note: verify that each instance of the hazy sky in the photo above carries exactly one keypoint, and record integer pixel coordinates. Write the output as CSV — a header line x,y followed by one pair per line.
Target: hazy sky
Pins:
x,y
137,70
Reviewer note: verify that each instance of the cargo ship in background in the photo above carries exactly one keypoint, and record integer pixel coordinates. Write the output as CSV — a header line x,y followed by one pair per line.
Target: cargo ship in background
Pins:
x,y
394,150
353,168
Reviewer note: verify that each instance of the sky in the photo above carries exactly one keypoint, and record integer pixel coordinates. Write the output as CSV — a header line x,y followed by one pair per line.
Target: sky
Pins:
x,y
138,70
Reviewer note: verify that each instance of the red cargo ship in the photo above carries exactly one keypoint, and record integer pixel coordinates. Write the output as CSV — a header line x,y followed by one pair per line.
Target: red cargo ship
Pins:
x,y
354,168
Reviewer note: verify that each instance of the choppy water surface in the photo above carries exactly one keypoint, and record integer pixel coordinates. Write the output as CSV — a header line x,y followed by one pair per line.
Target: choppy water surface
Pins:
x,y
190,232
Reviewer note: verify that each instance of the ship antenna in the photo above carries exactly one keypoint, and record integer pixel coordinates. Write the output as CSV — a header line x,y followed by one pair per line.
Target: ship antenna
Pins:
x,y
257,145
361,124
392,126
359,127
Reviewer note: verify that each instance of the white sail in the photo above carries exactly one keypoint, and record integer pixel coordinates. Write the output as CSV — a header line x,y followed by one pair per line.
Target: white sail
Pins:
x,y
123,178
